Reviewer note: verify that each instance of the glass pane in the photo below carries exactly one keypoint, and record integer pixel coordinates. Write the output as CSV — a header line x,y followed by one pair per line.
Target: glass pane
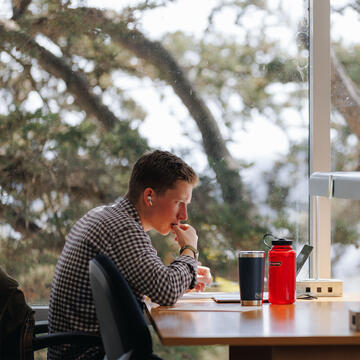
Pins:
x,y
86,91
345,233
345,135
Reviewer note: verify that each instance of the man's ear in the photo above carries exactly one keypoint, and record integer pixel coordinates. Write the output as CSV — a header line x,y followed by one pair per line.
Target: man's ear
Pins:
x,y
148,192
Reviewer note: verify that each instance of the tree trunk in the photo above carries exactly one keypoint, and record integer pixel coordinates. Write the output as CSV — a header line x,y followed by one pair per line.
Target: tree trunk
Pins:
x,y
152,52
344,95
224,166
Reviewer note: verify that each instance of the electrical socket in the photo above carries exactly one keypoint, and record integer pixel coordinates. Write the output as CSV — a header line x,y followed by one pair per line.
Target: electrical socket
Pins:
x,y
320,287
354,320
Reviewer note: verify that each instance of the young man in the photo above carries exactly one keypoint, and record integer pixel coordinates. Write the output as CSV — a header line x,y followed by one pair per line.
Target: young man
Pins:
x,y
160,189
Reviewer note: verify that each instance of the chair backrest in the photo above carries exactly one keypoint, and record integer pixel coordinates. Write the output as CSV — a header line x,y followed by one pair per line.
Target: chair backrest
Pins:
x,y
121,320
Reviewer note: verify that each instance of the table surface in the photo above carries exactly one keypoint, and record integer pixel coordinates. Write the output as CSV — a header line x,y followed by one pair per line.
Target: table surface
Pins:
x,y
324,321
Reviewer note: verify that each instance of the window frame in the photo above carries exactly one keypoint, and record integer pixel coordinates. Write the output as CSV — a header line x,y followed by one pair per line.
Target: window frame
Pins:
x,y
319,134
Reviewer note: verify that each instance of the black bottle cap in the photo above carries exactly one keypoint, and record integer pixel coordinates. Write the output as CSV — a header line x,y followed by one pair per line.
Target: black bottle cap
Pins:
x,y
281,242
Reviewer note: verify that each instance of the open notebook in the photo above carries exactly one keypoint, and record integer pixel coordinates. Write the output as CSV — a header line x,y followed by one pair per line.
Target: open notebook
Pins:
x,y
233,297
221,297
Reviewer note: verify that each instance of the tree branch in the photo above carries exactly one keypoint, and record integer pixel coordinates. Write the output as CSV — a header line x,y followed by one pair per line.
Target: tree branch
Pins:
x,y
152,52
344,95
27,68
223,164
75,81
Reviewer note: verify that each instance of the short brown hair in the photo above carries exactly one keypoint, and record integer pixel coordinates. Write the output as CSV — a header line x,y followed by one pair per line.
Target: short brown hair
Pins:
x,y
159,170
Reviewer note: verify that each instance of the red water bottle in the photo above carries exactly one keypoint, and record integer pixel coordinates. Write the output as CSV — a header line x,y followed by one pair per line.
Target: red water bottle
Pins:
x,y
282,272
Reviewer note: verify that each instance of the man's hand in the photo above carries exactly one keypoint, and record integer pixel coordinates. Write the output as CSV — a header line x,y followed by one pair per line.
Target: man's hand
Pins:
x,y
203,278
185,235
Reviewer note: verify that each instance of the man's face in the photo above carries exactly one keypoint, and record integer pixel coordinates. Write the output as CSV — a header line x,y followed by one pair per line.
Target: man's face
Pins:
x,y
171,207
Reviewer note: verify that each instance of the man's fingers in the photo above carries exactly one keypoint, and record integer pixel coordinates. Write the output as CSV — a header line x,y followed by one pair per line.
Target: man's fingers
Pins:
x,y
204,275
204,279
203,270
199,287
176,228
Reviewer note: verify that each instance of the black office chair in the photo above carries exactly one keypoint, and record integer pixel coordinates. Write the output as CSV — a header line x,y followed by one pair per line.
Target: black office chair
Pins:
x,y
123,327
71,337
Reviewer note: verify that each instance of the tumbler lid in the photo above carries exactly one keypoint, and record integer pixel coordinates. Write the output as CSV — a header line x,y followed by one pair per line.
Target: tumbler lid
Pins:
x,y
251,254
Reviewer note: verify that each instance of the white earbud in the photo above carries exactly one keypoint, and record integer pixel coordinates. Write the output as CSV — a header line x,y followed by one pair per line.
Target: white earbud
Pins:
x,y
149,200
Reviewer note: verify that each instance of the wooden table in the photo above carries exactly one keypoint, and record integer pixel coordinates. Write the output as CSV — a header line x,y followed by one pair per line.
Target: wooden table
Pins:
x,y
308,329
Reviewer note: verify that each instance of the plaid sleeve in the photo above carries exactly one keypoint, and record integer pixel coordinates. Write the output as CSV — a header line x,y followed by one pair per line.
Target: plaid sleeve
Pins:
x,y
137,259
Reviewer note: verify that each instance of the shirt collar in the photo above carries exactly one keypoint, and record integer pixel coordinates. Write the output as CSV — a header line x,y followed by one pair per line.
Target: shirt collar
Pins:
x,y
126,205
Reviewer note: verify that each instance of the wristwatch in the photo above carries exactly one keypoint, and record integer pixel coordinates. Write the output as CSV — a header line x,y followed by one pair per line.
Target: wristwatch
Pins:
x,y
195,251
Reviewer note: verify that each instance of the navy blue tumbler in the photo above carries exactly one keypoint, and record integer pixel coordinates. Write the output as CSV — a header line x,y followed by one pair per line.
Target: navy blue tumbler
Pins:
x,y
251,277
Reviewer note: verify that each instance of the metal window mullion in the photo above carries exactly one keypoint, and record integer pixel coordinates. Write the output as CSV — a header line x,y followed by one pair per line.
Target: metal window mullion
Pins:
x,y
320,103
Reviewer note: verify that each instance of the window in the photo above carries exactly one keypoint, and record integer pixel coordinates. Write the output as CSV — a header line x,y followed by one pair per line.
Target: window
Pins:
x,y
83,100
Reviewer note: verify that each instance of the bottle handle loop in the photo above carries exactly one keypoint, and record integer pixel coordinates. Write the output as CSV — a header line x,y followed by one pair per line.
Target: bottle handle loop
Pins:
x,y
273,238
268,235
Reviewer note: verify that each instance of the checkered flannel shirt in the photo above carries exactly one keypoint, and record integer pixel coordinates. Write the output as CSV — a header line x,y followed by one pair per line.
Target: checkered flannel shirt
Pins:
x,y
115,231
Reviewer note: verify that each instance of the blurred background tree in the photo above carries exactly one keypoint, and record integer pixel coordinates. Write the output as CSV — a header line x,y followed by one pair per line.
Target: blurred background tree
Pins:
x,y
70,127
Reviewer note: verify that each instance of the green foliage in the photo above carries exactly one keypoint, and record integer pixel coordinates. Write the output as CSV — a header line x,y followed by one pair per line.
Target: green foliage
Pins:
x,y
229,71
345,234
52,173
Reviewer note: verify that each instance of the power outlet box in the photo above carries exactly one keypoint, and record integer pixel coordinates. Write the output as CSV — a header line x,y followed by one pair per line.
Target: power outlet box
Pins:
x,y
320,287
354,320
